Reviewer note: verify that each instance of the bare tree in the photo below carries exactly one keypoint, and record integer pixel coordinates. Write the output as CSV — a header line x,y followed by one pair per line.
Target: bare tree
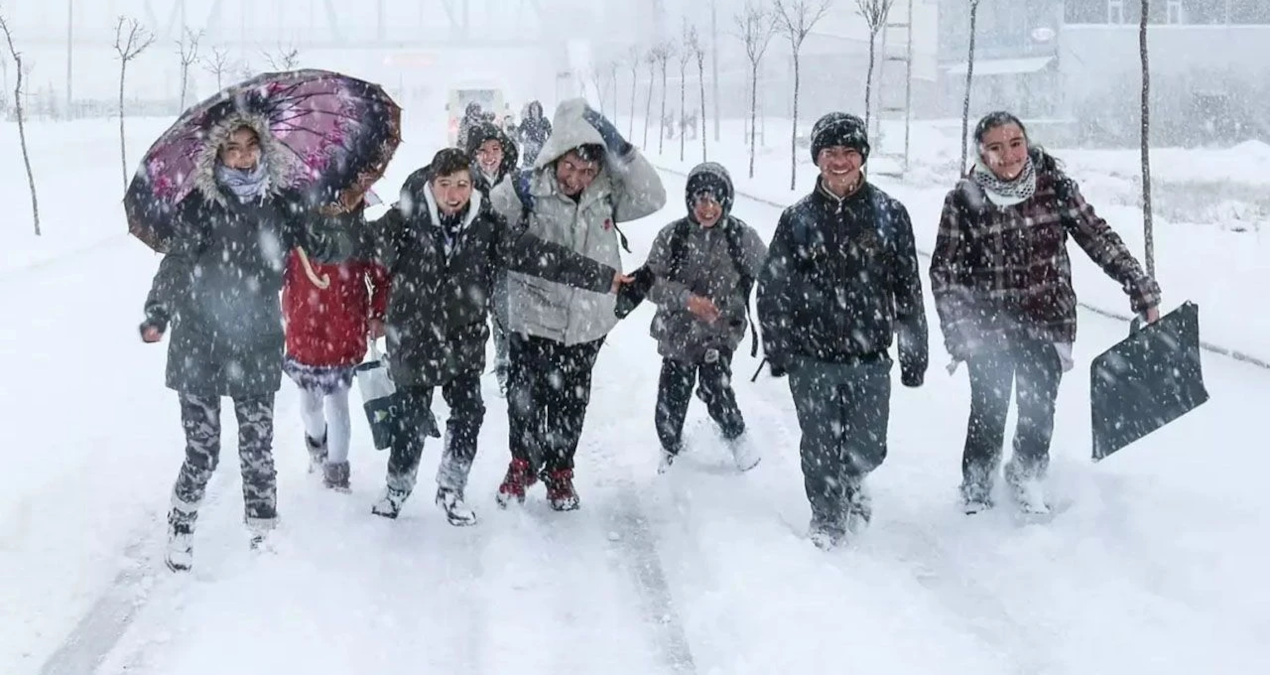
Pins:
x,y
692,44
131,39
286,58
651,60
795,19
17,103
685,55
188,51
614,64
875,13
218,65
662,54
595,83
1147,218
970,78
756,27
632,60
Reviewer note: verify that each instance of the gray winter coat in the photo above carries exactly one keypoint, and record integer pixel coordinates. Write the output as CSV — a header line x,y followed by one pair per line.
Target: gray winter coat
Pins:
x,y
627,188
220,282
439,303
707,268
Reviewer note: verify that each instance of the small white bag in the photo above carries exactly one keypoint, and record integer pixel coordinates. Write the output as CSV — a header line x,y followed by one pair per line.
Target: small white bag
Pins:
x,y
379,397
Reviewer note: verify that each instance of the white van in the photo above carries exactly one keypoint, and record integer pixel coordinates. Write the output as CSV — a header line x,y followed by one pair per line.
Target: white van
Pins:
x,y
490,100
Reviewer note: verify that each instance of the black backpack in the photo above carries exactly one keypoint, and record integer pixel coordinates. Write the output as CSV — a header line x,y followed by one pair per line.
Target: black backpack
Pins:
x,y
733,230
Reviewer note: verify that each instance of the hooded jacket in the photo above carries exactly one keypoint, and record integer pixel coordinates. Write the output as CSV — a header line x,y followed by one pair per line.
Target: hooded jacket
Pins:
x,y
220,282
706,268
511,155
534,131
439,300
627,188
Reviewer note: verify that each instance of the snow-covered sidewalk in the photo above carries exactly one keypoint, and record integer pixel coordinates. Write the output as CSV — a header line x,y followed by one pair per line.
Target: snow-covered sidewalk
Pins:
x,y
697,571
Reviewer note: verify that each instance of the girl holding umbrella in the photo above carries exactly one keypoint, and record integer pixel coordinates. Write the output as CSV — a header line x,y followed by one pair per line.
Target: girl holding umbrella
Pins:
x,y
226,194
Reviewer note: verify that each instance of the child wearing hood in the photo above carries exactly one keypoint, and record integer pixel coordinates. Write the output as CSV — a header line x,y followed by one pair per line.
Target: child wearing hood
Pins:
x,y
704,265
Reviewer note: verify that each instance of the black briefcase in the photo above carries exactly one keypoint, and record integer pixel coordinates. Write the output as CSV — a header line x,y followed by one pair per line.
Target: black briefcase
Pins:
x,y
1146,381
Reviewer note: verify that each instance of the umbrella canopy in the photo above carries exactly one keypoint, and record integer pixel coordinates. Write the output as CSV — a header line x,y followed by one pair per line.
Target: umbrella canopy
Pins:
x,y
337,135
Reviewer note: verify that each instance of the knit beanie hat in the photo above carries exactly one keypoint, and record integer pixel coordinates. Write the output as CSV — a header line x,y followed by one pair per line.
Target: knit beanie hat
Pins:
x,y
839,129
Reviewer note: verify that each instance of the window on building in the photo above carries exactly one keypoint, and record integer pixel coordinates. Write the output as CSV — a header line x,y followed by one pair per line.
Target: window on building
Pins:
x,y
1248,11
1176,14
1115,11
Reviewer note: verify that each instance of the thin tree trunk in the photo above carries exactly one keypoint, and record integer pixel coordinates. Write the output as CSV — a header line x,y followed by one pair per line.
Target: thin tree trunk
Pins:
x,y
970,78
701,117
868,80
753,115
123,148
683,114
648,108
26,156
1147,219
661,138
630,132
793,135
185,77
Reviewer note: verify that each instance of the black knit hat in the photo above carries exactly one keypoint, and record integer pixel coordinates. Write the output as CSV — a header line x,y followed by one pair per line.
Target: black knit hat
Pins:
x,y
839,129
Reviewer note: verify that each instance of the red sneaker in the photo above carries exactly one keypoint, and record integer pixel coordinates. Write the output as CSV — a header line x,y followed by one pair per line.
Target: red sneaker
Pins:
x,y
519,476
560,490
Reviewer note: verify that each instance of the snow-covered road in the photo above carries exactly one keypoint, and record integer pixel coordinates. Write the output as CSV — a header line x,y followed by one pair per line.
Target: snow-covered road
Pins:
x,y
1155,563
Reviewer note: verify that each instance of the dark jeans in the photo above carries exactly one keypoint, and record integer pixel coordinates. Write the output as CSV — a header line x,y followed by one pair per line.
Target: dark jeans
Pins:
x,y
548,390
675,390
467,412
843,412
1035,369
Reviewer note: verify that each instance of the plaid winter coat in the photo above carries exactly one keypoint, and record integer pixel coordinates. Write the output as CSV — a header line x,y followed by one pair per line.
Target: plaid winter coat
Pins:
x,y
1002,273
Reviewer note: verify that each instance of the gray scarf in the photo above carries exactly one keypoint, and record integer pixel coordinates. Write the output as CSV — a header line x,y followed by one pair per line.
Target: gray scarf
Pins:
x,y
1002,192
246,184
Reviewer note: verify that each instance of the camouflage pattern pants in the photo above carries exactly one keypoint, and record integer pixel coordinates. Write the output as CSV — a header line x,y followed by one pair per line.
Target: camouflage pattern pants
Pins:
x,y
200,416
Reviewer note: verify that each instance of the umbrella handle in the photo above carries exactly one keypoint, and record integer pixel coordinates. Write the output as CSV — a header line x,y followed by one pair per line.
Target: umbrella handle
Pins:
x,y
322,283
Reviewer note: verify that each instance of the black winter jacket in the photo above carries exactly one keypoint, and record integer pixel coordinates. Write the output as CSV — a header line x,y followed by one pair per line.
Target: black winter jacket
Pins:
x,y
441,291
841,279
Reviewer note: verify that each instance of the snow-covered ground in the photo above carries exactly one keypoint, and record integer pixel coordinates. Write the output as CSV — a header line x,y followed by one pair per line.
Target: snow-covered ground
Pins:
x,y
1152,565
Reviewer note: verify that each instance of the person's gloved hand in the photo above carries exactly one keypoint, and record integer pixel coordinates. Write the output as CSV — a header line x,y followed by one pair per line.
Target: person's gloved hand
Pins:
x,y
777,369
612,137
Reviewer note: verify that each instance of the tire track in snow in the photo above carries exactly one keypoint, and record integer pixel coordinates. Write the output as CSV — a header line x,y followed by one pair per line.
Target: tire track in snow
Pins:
x,y
637,547
112,614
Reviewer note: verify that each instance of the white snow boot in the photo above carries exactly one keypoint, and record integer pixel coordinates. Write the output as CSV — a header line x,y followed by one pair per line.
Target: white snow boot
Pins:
x,y
826,536
859,507
389,503
455,509
975,498
744,454
667,460
1026,491
179,555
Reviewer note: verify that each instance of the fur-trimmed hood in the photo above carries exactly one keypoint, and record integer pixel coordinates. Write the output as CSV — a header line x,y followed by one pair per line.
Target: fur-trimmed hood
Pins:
x,y
277,159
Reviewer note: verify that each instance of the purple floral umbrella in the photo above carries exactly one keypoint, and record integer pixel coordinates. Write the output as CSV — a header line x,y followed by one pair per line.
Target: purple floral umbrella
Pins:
x,y
338,132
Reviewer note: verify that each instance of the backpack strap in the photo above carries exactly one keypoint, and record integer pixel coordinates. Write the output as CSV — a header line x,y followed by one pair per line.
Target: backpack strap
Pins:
x,y
734,232
678,246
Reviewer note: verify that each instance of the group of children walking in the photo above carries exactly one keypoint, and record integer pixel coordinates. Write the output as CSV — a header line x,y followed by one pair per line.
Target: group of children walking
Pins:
x,y
472,239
